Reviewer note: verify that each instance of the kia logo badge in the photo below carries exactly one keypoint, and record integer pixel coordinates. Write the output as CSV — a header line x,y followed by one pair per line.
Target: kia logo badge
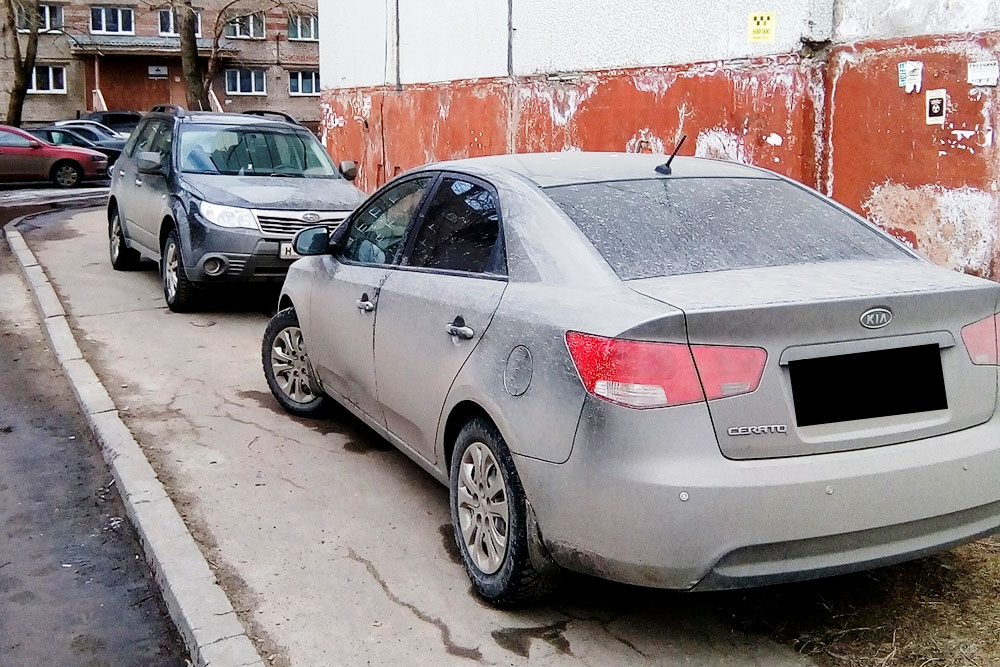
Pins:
x,y
310,217
876,318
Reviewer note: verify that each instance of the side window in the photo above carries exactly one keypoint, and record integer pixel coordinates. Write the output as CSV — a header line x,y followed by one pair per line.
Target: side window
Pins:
x,y
377,233
141,137
460,230
162,142
11,139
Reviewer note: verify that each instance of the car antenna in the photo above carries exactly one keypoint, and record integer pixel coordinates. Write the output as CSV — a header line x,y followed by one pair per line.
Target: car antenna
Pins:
x,y
665,167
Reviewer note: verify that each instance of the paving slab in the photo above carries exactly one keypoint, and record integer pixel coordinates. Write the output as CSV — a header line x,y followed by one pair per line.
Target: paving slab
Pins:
x,y
335,548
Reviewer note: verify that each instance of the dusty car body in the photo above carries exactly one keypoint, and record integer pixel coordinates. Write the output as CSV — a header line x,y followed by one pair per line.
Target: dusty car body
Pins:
x,y
772,411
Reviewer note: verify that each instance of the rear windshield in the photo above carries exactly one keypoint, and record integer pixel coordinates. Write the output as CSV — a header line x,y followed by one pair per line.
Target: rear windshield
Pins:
x,y
664,227
253,151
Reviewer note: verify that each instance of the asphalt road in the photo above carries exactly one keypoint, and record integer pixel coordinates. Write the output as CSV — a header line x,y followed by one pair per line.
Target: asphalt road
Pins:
x,y
74,589
335,548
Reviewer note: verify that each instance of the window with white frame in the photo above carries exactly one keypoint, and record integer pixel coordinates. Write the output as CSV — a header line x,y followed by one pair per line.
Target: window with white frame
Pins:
x,y
303,27
111,21
48,79
50,18
250,26
245,81
303,83
170,23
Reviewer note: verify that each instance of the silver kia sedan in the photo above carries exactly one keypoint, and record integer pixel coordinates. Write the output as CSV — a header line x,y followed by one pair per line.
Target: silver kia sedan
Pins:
x,y
706,379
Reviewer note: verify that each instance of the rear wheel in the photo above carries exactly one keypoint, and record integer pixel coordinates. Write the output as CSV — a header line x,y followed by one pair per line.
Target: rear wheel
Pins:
x,y
178,291
67,174
123,258
489,518
287,368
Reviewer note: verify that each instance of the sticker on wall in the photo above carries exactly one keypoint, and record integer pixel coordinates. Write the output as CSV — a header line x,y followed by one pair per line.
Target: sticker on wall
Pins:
x,y
984,73
910,74
760,27
937,102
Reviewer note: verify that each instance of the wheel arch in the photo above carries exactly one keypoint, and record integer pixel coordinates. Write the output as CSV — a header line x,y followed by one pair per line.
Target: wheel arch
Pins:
x,y
460,413
112,206
65,160
166,226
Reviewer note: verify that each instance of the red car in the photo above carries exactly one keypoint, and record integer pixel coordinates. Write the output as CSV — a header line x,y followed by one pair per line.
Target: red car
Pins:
x,y
27,158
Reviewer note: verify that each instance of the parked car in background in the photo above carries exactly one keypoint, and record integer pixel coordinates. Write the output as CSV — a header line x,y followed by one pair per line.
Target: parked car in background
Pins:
x,y
68,135
123,122
94,128
216,197
698,377
24,157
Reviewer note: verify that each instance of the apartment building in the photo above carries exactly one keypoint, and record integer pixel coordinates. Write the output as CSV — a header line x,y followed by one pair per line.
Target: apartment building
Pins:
x,y
126,55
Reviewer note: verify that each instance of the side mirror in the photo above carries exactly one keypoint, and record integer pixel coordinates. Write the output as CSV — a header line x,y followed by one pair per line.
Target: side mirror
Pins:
x,y
349,169
312,241
149,163
34,144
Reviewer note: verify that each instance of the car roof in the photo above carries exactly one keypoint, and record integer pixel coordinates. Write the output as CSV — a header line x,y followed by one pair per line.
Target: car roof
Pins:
x,y
225,118
566,168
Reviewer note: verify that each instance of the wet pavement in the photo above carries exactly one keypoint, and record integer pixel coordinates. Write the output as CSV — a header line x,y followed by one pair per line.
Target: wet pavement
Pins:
x,y
74,588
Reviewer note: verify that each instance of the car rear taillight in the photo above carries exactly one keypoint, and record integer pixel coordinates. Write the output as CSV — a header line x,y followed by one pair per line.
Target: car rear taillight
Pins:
x,y
640,374
980,340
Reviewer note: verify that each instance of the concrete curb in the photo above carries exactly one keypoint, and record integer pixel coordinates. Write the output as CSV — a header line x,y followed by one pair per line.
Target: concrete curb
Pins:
x,y
200,609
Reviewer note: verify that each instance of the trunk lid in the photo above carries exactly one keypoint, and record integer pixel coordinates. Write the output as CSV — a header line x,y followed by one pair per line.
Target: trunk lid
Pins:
x,y
831,384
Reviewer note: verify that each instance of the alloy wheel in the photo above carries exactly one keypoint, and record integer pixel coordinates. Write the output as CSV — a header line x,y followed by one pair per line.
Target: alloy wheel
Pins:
x,y
483,512
66,175
290,364
116,238
170,262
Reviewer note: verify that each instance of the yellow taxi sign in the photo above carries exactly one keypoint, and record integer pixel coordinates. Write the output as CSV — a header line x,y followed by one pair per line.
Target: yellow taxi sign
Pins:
x,y
760,27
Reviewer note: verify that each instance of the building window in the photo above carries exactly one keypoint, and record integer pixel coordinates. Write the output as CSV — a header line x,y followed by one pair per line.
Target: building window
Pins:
x,y
50,19
303,83
246,82
48,79
303,27
250,26
111,21
170,23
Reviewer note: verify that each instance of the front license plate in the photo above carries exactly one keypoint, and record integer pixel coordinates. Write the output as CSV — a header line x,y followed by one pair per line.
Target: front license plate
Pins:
x,y
287,251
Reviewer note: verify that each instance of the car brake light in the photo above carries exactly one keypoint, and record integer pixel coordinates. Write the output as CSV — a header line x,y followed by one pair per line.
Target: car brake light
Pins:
x,y
639,374
980,340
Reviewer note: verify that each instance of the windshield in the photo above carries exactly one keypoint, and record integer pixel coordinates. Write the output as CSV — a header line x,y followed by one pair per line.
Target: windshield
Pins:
x,y
664,227
253,151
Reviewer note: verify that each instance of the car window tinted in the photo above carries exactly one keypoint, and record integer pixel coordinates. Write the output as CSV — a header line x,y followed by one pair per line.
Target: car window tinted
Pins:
x,y
253,151
460,229
11,139
162,141
134,138
144,137
377,232
662,227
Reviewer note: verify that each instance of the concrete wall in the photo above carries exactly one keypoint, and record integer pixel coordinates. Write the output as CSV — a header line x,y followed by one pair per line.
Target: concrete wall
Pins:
x,y
821,103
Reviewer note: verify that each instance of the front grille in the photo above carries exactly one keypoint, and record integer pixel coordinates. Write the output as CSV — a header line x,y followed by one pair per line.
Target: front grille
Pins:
x,y
284,224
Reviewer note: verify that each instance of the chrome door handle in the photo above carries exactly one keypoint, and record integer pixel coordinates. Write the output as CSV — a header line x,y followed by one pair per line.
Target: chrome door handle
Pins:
x,y
364,305
138,182
121,172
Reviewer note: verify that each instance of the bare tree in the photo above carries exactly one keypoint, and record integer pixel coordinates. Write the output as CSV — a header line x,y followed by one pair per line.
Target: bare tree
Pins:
x,y
18,12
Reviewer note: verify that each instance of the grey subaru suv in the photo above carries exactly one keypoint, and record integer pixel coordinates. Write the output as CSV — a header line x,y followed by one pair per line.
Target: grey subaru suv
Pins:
x,y
217,197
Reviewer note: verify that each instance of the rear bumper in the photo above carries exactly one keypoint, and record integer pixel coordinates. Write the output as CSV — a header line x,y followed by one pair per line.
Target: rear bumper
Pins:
x,y
647,498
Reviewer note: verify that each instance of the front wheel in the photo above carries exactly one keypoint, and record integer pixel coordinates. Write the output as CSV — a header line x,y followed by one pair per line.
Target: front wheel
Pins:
x,y
67,174
488,515
287,369
123,258
178,291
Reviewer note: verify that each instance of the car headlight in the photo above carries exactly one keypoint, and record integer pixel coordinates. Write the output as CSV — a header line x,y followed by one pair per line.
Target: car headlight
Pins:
x,y
228,216
98,158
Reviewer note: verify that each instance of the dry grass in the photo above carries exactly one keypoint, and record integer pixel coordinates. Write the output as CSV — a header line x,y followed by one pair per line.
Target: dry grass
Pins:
x,y
939,611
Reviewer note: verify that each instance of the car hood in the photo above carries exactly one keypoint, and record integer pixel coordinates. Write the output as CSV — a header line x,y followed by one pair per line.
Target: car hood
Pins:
x,y
78,150
275,192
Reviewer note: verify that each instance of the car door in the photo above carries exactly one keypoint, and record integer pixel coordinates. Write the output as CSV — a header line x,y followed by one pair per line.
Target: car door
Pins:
x,y
18,159
344,302
139,213
435,307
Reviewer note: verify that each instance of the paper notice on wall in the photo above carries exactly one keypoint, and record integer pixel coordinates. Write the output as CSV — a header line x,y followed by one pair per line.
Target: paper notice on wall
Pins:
x,y
984,73
760,27
937,104
911,74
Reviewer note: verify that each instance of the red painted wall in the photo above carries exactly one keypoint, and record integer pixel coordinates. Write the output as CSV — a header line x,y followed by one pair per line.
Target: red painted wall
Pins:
x,y
841,124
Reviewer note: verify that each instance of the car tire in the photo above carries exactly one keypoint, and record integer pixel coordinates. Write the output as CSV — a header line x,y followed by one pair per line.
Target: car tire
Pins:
x,y
66,174
474,490
179,292
123,258
287,368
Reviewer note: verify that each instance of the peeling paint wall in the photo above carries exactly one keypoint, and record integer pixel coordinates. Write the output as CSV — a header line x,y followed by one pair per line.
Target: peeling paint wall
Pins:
x,y
831,115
